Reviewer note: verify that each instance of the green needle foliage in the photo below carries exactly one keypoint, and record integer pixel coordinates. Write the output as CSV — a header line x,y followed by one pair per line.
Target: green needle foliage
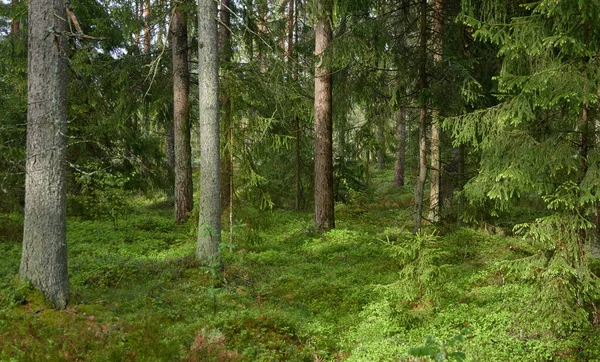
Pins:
x,y
540,141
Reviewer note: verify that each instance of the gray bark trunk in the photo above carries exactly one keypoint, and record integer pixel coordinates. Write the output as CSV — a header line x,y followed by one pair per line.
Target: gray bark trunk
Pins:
x,y
420,184
209,223
44,258
181,90
324,212
434,188
380,143
401,153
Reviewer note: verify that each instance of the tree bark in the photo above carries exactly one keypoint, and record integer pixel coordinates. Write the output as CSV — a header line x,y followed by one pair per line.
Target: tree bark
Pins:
x,y
324,211
380,143
147,33
401,153
44,257
15,24
420,184
209,223
434,188
225,57
434,181
184,200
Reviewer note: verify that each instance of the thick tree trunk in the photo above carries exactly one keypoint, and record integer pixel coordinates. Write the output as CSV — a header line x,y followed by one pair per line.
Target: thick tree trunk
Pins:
x,y
44,258
324,212
401,153
420,184
209,223
184,199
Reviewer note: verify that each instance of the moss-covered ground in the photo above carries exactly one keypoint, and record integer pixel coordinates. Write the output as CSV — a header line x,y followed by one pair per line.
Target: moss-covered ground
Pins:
x,y
285,294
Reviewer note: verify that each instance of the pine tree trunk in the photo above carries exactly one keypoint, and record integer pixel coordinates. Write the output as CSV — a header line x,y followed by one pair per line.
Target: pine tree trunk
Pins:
x,y
297,132
184,200
380,144
44,257
434,181
434,188
420,184
147,34
209,223
225,57
324,212
401,153
15,24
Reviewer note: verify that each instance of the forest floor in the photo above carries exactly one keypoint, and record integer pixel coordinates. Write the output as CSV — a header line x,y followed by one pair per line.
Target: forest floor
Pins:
x,y
285,294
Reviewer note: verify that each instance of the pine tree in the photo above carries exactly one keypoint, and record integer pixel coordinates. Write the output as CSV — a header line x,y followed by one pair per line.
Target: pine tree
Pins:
x,y
209,224
539,140
44,257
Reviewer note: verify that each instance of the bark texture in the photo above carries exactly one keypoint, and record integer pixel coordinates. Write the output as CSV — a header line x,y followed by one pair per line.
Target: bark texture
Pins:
x,y
434,188
15,24
209,223
227,120
147,33
181,116
324,212
401,153
44,257
420,184
434,181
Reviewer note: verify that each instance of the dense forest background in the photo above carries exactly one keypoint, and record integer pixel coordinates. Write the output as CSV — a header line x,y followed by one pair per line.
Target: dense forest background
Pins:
x,y
299,180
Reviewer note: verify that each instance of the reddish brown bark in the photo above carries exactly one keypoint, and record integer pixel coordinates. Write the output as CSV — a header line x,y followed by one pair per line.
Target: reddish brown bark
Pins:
x,y
181,116
324,212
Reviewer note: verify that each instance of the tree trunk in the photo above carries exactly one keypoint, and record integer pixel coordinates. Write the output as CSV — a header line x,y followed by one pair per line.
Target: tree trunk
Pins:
x,y
147,33
209,223
184,199
434,181
380,143
227,126
294,71
15,24
420,184
44,257
401,153
324,212
434,188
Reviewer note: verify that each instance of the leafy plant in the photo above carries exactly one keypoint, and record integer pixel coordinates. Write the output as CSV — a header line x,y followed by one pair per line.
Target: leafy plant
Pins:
x,y
440,352
419,257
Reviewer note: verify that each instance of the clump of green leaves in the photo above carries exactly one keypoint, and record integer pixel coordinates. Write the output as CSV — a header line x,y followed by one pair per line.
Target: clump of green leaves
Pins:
x,y
440,352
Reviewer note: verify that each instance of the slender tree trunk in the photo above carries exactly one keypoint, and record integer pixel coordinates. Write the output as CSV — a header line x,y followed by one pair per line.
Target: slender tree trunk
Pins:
x,y
44,257
225,51
420,184
139,6
225,57
434,189
15,24
294,70
209,224
184,199
380,143
147,33
401,153
434,181
170,153
324,212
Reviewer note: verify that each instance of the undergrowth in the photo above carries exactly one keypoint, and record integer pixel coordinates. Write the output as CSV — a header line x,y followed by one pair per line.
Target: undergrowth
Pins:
x,y
285,293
